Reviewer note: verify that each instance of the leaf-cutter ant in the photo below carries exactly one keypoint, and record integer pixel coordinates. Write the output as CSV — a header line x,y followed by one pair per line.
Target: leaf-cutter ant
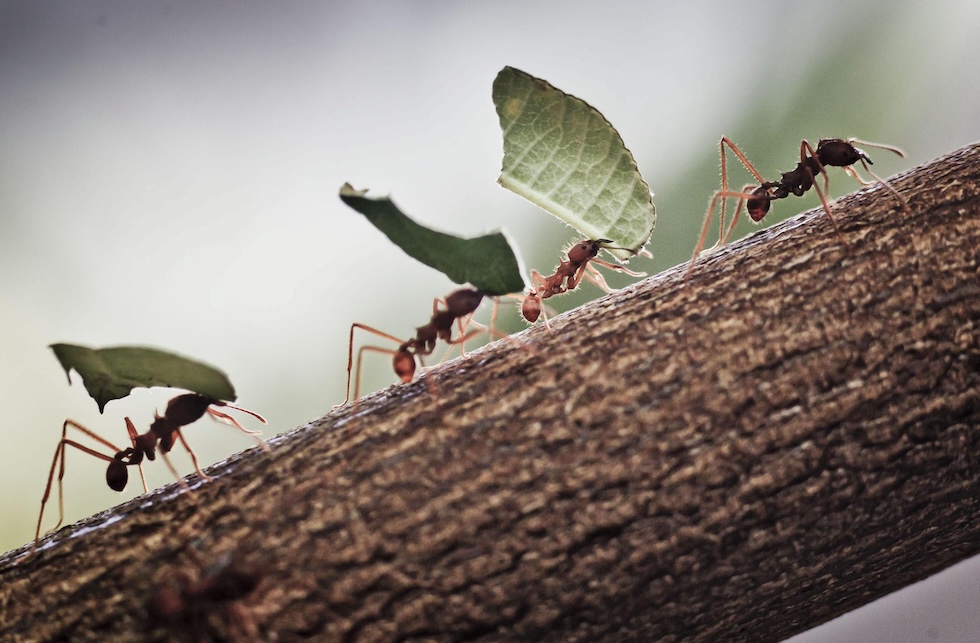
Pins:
x,y
757,199
163,433
458,309
577,265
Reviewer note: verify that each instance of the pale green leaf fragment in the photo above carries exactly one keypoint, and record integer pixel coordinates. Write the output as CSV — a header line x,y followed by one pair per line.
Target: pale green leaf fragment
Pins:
x,y
562,155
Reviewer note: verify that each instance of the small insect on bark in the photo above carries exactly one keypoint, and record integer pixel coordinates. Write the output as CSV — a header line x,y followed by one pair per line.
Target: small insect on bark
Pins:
x,y
163,434
456,309
580,261
832,152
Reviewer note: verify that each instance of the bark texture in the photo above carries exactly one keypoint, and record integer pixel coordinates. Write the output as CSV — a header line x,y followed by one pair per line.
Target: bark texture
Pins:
x,y
791,435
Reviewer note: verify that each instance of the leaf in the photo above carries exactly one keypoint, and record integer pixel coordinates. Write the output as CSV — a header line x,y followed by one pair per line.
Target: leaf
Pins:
x,y
562,155
489,263
111,373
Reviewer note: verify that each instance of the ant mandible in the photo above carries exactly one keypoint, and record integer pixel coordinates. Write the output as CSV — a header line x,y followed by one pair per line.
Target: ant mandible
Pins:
x,y
834,152
570,271
459,305
163,433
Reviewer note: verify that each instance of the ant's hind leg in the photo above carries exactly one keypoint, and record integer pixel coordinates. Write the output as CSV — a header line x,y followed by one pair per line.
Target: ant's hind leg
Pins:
x,y
59,457
350,358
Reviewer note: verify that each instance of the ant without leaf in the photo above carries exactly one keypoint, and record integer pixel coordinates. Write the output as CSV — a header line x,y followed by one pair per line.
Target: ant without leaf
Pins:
x,y
568,274
757,199
459,306
163,432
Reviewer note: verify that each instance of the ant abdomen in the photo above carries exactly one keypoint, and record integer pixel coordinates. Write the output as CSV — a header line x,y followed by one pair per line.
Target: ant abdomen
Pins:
x,y
116,475
404,364
531,309
758,204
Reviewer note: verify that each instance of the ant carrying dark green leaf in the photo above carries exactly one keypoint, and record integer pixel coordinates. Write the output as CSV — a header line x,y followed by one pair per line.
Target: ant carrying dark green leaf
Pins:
x,y
163,433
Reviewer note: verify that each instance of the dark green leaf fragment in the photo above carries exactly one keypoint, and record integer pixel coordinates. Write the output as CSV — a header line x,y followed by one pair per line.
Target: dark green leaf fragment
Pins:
x,y
111,373
489,263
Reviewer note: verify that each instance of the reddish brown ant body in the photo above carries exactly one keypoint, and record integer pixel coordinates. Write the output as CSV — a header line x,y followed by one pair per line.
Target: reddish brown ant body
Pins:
x,y
459,305
578,264
834,152
163,433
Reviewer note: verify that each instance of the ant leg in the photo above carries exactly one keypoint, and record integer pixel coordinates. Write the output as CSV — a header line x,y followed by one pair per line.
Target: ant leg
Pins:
x,y
59,456
197,467
227,419
360,355
238,408
595,277
350,357
850,171
133,434
724,185
742,197
173,470
806,147
617,268
826,209
887,186
491,329
592,273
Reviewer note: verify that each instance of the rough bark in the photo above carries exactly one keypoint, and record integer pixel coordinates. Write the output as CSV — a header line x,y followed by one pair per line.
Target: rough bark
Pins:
x,y
791,435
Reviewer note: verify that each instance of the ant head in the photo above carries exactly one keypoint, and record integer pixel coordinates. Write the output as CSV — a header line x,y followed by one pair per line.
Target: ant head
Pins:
x,y
531,308
839,153
463,301
585,250
187,408
404,364
116,475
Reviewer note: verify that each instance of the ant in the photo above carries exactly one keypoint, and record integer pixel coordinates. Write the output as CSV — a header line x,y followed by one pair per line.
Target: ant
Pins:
x,y
568,275
834,152
163,432
459,305
193,601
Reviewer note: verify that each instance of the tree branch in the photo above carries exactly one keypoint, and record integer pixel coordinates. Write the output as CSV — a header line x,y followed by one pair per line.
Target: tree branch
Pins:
x,y
789,436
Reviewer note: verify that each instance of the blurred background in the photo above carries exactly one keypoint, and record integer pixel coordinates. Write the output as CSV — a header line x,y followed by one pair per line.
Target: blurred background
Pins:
x,y
169,176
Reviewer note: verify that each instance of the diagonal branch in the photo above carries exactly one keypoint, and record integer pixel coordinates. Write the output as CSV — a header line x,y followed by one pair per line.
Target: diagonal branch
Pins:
x,y
791,435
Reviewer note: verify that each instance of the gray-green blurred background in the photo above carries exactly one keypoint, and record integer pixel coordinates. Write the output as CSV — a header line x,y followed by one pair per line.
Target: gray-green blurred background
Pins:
x,y
169,171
